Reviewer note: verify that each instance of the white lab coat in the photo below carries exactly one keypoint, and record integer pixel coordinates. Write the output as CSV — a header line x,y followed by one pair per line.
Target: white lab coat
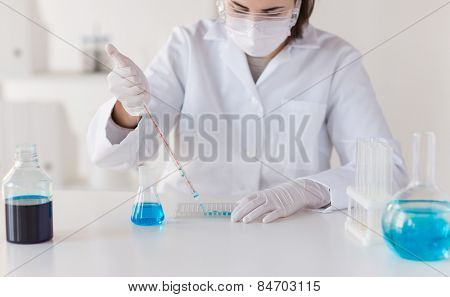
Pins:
x,y
319,77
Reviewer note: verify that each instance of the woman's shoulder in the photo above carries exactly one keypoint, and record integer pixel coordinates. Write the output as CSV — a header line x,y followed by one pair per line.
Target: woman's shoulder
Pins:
x,y
330,43
201,30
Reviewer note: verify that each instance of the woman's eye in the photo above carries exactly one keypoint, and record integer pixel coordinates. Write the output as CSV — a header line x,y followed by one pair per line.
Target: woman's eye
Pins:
x,y
239,11
276,13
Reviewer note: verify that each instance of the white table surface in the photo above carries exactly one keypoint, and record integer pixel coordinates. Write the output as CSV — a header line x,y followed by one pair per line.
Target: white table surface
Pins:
x,y
306,244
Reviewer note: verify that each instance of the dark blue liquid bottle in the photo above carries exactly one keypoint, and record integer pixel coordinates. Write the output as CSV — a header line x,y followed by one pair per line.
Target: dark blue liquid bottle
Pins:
x,y
29,219
27,192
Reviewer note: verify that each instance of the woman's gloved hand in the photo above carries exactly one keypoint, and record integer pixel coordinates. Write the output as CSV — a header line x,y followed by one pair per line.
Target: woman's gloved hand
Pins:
x,y
128,83
281,201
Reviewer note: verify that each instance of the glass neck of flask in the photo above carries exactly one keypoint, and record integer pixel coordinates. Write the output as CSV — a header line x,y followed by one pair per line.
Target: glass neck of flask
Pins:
x,y
26,157
424,160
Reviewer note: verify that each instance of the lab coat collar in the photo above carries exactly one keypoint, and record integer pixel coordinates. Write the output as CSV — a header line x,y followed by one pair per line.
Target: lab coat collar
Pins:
x,y
236,61
309,39
218,32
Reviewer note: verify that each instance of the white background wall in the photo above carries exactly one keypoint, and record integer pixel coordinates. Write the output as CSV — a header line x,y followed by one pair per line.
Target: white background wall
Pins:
x,y
137,27
411,73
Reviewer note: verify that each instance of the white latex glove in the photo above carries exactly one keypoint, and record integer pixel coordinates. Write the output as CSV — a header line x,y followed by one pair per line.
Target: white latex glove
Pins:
x,y
281,201
128,83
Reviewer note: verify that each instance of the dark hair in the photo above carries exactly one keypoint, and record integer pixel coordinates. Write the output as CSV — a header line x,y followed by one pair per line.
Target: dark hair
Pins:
x,y
305,13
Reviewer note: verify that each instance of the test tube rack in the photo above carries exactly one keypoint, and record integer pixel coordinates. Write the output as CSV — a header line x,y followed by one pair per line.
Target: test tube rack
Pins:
x,y
372,190
211,209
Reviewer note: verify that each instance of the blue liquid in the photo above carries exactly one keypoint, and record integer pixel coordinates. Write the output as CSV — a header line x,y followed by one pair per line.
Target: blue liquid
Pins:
x,y
147,214
28,222
418,229
216,213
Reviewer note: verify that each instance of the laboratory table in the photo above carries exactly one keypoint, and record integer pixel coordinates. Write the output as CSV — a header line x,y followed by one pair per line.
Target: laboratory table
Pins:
x,y
94,237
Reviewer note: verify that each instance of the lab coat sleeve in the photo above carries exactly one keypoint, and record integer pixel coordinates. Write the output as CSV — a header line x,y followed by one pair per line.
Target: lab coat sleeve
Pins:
x,y
353,112
115,133
113,147
102,139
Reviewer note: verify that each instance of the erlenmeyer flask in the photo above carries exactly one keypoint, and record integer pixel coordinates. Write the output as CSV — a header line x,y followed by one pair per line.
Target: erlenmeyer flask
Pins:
x,y
416,224
147,209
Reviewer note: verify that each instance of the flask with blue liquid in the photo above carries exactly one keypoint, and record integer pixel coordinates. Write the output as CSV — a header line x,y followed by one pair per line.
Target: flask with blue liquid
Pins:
x,y
27,193
416,224
147,209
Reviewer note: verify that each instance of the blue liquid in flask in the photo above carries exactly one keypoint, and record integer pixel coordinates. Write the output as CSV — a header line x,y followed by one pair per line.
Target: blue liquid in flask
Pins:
x,y
418,229
147,214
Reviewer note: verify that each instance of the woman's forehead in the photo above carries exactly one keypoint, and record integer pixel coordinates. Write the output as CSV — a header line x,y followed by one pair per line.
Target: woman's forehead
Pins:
x,y
264,4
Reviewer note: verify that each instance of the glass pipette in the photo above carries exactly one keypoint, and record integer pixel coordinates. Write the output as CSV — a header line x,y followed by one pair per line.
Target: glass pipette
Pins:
x,y
113,52
194,193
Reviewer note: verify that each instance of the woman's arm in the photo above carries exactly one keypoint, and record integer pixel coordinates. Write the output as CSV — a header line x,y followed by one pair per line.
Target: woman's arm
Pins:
x,y
117,140
122,118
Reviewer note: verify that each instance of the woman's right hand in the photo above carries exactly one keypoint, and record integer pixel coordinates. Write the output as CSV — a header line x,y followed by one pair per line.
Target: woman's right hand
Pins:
x,y
128,84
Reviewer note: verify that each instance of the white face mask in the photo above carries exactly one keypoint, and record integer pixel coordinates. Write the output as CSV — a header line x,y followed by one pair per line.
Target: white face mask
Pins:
x,y
258,38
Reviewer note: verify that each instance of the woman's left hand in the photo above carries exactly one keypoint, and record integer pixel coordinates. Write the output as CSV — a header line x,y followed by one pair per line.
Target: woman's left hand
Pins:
x,y
280,201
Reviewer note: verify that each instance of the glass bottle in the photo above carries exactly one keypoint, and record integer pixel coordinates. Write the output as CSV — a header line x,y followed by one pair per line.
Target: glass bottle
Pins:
x,y
27,193
416,224
147,209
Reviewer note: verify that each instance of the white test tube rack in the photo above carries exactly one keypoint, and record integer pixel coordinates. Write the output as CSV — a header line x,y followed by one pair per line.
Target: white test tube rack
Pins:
x,y
209,209
371,192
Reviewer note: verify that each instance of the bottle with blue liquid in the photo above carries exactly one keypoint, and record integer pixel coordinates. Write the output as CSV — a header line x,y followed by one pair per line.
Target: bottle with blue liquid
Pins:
x,y
27,194
416,224
147,209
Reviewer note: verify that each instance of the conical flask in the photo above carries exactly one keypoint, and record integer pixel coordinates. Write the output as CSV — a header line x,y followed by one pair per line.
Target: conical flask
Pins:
x,y
147,209
416,224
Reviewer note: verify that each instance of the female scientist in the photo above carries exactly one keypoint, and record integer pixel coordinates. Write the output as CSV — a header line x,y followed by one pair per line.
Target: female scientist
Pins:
x,y
257,100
